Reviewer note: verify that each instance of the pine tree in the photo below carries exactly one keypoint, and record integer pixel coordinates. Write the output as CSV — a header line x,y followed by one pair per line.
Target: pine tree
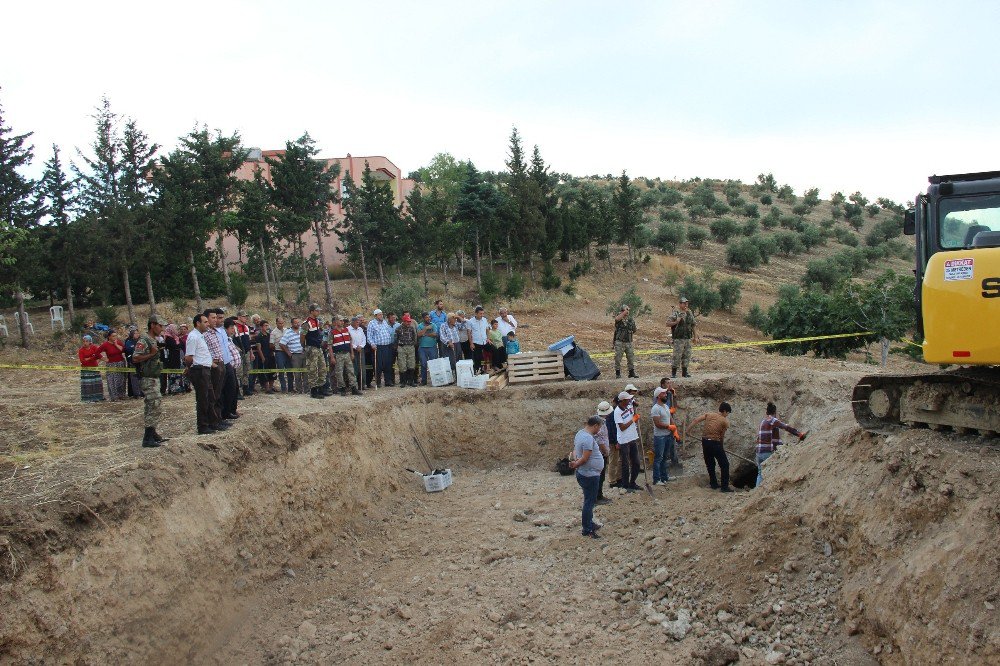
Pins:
x,y
628,213
303,194
20,209
476,209
148,247
255,219
58,195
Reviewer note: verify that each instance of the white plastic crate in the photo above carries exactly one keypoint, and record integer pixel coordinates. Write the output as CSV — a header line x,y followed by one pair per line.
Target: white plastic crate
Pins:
x,y
477,382
441,378
435,483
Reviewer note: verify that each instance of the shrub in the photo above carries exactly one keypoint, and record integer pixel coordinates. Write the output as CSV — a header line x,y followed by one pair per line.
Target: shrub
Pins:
x,y
77,323
824,273
643,237
670,196
792,222
490,287
671,215
787,243
702,297
771,220
720,208
602,254
743,254
750,227
238,291
668,237
724,228
580,269
649,198
836,212
515,286
697,212
179,305
751,210
855,221
766,199
756,318
550,280
729,293
786,193
339,272
106,314
811,236
404,296
811,197
800,209
845,236
764,246
872,210
696,236
851,261
634,302
670,277
883,231
569,289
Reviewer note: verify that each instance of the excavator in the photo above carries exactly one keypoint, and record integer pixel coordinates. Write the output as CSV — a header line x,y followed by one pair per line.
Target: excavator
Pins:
x,y
957,229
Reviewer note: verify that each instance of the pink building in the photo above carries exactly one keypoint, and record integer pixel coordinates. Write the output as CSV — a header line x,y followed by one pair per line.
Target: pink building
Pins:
x,y
382,170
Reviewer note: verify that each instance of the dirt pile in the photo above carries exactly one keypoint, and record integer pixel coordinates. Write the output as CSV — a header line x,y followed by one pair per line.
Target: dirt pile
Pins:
x,y
299,538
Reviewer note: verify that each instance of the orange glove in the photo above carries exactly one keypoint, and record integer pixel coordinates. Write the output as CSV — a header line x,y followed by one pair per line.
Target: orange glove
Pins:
x,y
672,428
635,418
673,410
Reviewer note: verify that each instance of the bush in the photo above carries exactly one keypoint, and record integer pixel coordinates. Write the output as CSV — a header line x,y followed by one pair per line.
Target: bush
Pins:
x,y
766,199
801,313
764,246
792,222
77,323
649,198
404,296
724,228
811,197
883,231
851,261
756,318
580,269
788,243
751,210
671,277
786,193
845,237
569,289
634,302
602,254
771,220
720,208
800,209
670,196
550,280
697,212
702,297
671,215
643,237
811,236
106,314
729,293
238,291
872,210
696,236
179,305
515,286
743,254
836,212
750,227
825,273
490,288
668,237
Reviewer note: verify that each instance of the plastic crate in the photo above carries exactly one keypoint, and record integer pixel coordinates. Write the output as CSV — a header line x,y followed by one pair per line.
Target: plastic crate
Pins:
x,y
435,483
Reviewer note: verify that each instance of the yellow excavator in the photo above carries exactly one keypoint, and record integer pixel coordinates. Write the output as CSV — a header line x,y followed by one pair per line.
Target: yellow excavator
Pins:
x,y
957,229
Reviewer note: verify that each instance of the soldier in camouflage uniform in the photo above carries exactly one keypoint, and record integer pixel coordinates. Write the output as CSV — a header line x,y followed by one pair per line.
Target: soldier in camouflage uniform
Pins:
x,y
682,323
148,365
624,332
312,342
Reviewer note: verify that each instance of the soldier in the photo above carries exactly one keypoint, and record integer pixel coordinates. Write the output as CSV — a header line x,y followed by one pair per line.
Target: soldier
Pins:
x,y
682,323
312,341
624,331
148,365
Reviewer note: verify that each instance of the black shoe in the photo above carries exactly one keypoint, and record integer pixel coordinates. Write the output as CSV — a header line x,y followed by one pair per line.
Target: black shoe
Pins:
x,y
157,438
602,500
231,417
725,489
632,375
592,535
685,373
634,486
317,394
150,444
713,486
673,372
222,425
618,374
207,431
239,397
355,391
343,392
390,383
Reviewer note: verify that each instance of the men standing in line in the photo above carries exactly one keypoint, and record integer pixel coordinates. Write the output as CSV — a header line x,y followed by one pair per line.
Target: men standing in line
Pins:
x,y
343,356
427,345
465,347
380,337
291,344
358,343
682,323
478,326
149,365
218,365
406,346
312,341
199,362
769,438
713,439
624,332
506,323
626,422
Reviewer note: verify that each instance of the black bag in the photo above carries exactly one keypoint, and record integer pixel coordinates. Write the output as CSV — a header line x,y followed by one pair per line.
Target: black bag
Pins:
x,y
563,467
579,365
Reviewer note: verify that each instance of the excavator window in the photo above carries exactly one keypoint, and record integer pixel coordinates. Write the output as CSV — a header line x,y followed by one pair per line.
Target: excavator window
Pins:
x,y
962,218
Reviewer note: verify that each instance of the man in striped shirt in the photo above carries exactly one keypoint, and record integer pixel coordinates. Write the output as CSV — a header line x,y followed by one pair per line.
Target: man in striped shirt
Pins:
x,y
769,438
291,344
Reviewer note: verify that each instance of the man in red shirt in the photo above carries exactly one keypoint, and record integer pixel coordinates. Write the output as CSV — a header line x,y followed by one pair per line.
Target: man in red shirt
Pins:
x,y
342,356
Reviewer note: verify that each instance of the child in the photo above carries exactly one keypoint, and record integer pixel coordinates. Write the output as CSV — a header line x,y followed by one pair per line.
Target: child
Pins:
x,y
512,345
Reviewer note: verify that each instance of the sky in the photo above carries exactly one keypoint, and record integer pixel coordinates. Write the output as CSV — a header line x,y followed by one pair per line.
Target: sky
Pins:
x,y
870,96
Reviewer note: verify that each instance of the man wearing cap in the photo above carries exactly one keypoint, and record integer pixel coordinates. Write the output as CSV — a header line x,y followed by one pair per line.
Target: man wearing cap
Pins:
x,y
506,322
624,332
603,440
291,344
682,325
406,348
343,356
627,424
149,365
380,340
663,436
312,341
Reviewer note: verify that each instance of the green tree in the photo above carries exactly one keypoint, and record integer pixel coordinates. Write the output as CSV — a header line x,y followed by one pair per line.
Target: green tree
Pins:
x,y
883,231
628,214
723,229
811,198
696,236
824,273
767,182
669,236
255,215
730,292
743,254
883,306
477,206
58,193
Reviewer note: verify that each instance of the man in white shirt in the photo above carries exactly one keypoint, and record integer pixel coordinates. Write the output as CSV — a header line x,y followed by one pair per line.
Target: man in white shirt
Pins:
x,y
199,362
281,359
291,344
627,422
358,342
506,323
478,326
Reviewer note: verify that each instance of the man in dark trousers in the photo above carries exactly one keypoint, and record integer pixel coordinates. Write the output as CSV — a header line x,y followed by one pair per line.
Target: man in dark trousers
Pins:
x,y
712,444
627,427
199,361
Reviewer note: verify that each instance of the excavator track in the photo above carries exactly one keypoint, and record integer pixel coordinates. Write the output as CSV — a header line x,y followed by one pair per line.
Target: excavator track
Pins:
x,y
966,400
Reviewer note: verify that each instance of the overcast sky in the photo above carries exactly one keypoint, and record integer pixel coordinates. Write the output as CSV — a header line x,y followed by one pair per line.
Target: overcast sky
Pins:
x,y
870,96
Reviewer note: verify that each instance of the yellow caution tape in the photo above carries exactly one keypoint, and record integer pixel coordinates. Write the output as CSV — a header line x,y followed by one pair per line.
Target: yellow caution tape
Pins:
x,y
734,345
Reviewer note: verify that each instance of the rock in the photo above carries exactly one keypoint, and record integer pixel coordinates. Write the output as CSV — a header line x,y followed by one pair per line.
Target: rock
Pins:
x,y
656,618
542,521
773,657
988,605
723,617
520,517
354,619
680,627
494,617
307,630
245,554
717,654
348,637
827,549
789,566
661,575
289,573
686,552
404,612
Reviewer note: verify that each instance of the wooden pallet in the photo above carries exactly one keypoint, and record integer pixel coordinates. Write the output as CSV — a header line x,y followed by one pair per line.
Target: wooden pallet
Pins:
x,y
497,381
535,367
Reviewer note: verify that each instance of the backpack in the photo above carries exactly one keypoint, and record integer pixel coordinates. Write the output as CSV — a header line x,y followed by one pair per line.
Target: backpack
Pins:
x,y
562,466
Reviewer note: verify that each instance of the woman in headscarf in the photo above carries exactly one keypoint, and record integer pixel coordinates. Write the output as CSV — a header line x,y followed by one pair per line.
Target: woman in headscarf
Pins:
x,y
113,352
134,385
171,352
91,388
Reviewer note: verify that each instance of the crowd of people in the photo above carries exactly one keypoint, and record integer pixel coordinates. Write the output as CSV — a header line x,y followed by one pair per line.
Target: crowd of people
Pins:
x,y
610,445
224,359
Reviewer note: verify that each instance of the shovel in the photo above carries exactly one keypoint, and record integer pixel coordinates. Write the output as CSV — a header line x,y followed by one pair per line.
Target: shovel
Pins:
x,y
645,472
421,449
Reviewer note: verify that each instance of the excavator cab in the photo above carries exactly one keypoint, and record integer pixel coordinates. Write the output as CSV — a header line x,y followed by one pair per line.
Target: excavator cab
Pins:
x,y
956,225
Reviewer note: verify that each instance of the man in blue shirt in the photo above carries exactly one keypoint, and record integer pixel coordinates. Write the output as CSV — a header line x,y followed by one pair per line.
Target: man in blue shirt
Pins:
x,y
380,339
439,317
427,344
230,393
588,461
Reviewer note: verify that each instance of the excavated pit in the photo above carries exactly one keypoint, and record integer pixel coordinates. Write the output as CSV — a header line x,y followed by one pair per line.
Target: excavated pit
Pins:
x,y
302,536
